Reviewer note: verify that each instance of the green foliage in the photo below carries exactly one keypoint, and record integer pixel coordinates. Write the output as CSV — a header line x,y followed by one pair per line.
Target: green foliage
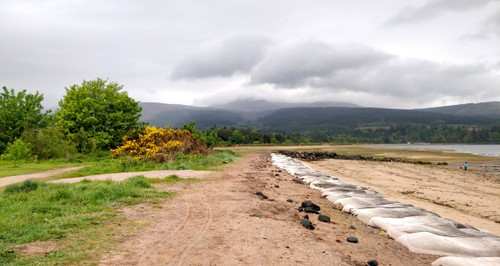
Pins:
x,y
208,137
26,186
49,143
17,151
18,112
97,114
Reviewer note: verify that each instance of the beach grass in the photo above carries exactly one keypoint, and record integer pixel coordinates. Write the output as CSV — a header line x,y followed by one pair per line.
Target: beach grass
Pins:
x,y
78,219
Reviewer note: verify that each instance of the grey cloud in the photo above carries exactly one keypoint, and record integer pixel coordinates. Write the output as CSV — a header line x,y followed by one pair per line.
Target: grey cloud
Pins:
x,y
490,28
302,63
222,58
359,69
412,79
432,9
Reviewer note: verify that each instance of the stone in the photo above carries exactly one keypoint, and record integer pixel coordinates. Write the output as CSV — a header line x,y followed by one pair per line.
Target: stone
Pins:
x,y
324,218
309,206
261,195
372,263
307,224
352,239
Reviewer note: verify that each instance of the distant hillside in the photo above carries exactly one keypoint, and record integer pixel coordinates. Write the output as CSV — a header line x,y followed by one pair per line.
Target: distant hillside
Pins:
x,y
487,109
315,118
296,119
174,115
249,105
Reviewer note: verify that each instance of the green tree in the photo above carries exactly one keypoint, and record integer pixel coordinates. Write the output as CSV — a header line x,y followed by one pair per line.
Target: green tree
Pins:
x,y
18,112
97,114
17,151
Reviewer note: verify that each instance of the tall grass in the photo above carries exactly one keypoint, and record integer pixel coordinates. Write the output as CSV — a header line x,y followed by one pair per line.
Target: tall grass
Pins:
x,y
33,211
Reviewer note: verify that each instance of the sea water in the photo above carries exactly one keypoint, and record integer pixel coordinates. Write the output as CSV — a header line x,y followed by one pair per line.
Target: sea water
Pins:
x,y
478,149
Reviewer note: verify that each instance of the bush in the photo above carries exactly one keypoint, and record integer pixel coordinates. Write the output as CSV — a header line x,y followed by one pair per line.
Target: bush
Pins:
x,y
49,143
26,186
17,151
160,144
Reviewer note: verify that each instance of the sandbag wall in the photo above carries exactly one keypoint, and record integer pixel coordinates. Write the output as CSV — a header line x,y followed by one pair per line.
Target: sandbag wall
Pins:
x,y
419,230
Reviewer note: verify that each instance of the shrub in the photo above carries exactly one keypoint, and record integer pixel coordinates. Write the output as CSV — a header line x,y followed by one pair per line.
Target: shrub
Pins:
x,y
17,151
160,144
26,186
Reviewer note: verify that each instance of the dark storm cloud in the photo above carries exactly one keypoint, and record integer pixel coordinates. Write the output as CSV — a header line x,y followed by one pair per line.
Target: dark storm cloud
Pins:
x,y
222,58
302,63
434,8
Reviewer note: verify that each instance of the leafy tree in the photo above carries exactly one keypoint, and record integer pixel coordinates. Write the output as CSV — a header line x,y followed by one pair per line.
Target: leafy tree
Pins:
x,y
18,112
97,114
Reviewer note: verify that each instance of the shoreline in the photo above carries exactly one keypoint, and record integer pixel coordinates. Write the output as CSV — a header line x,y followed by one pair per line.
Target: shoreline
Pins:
x,y
466,197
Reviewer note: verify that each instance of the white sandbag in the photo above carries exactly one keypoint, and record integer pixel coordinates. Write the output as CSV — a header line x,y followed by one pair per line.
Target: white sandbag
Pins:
x,y
460,261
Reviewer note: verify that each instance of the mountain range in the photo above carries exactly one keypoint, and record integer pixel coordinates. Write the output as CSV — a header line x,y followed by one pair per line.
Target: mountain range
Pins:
x,y
282,117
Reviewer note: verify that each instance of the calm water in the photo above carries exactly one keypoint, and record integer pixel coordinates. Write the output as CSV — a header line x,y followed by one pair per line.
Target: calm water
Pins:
x,y
487,149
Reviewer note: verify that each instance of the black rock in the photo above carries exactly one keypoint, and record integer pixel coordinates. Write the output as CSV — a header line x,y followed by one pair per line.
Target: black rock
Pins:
x,y
309,206
372,263
290,200
306,217
261,195
352,239
324,218
307,224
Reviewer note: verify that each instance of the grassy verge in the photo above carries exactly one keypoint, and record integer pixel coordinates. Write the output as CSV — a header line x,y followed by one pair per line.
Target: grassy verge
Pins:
x,y
127,164
8,168
70,222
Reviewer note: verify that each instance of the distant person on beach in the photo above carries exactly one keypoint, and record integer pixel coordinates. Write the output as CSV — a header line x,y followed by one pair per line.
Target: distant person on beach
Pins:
x,y
465,166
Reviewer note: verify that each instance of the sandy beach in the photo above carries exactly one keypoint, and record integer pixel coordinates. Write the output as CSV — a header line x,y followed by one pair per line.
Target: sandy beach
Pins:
x,y
469,197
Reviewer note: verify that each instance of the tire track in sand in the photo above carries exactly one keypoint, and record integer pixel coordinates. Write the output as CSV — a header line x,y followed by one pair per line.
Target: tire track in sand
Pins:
x,y
176,239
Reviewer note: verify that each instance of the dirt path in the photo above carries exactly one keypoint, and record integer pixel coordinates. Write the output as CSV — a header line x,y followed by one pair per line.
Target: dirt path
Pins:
x,y
470,197
5,181
221,221
147,174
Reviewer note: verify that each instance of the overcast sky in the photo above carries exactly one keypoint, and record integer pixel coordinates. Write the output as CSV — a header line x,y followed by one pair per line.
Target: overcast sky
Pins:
x,y
384,53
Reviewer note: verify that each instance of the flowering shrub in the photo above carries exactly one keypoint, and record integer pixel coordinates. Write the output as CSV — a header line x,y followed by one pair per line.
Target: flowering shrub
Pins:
x,y
159,144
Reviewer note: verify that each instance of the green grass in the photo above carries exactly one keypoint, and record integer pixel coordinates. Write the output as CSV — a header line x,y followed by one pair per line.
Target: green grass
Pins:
x,y
127,164
9,168
78,216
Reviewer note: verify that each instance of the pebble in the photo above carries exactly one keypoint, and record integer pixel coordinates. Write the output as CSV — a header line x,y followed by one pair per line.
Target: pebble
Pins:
x,y
352,239
372,263
307,224
324,218
261,195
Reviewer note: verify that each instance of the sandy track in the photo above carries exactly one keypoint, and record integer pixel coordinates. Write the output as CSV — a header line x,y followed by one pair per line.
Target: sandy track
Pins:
x,y
467,197
147,174
221,221
5,181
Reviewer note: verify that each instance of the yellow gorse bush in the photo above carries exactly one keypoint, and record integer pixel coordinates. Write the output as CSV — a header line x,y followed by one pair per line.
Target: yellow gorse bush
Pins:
x,y
159,144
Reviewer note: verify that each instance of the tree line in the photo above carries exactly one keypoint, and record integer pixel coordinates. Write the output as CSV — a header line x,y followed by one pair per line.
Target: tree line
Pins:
x,y
403,133
97,115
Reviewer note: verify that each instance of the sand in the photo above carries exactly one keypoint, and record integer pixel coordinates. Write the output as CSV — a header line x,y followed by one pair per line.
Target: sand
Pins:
x,y
471,197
